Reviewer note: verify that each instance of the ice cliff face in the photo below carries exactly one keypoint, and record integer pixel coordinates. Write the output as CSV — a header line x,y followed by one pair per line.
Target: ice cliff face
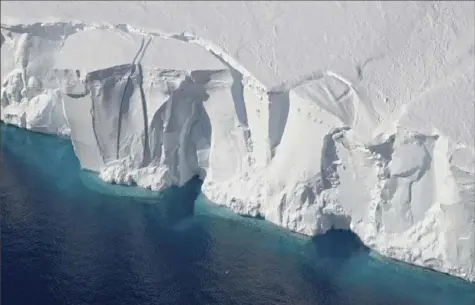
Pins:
x,y
374,149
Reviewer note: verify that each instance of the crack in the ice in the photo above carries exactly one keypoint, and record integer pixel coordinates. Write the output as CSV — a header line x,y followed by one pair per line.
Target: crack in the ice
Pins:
x,y
127,82
146,149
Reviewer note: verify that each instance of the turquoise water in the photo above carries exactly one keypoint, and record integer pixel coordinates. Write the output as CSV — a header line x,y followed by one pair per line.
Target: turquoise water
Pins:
x,y
68,238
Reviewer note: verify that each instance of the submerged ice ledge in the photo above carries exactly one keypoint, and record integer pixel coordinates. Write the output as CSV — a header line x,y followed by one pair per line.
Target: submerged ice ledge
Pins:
x,y
308,154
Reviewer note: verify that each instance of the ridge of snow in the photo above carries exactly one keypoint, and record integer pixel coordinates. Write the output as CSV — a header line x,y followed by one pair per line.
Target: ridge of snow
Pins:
x,y
368,147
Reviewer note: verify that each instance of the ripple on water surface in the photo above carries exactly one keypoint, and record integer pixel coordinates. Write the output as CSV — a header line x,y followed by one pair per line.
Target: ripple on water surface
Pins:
x,y
68,238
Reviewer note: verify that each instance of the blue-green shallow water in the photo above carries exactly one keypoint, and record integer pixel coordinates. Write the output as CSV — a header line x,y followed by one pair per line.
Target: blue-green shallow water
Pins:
x,y
67,238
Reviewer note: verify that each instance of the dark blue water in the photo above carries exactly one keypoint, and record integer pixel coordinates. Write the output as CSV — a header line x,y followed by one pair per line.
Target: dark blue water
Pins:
x,y
67,238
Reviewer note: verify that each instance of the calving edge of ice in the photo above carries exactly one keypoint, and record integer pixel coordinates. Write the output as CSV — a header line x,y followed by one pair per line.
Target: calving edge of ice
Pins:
x,y
308,154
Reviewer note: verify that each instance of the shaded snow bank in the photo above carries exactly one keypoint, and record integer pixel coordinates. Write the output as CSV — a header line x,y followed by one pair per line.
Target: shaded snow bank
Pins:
x,y
368,151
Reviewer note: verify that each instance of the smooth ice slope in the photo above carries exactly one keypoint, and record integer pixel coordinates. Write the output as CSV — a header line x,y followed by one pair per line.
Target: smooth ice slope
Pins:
x,y
312,115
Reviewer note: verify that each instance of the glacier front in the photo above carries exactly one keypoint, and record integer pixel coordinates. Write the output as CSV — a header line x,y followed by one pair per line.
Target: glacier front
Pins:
x,y
313,115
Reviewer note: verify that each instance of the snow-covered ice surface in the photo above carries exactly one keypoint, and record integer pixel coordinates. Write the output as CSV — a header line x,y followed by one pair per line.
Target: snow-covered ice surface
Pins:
x,y
312,115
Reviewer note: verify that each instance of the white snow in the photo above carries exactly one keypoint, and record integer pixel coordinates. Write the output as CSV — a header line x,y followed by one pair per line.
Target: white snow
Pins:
x,y
312,115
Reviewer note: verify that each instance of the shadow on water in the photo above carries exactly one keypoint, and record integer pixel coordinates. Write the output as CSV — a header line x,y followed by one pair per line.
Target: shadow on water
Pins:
x,y
68,238
51,162
338,244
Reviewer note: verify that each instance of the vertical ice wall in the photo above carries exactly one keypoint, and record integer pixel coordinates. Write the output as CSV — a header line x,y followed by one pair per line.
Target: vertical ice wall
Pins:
x,y
143,125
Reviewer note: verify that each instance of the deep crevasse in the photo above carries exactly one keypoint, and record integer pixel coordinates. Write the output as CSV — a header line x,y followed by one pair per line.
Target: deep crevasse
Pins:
x,y
308,155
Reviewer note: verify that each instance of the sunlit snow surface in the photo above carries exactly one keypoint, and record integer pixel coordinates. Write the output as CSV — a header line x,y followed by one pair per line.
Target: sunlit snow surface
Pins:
x,y
67,239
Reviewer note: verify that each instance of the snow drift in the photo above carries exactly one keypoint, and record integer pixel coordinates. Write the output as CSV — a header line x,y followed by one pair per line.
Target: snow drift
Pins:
x,y
372,131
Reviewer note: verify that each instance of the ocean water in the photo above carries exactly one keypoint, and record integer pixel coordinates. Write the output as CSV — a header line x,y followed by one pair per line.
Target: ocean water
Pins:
x,y
68,238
